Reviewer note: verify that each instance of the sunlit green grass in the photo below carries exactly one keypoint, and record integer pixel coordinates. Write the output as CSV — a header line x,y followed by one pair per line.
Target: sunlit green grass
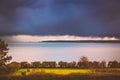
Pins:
x,y
63,71
52,71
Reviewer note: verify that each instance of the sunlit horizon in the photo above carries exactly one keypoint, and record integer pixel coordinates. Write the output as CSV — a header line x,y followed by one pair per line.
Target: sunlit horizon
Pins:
x,y
30,38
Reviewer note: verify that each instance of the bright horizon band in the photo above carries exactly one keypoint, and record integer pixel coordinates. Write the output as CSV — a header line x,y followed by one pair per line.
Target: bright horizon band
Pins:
x,y
30,38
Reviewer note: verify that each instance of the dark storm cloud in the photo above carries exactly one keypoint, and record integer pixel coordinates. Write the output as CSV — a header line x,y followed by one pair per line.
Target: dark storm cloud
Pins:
x,y
60,17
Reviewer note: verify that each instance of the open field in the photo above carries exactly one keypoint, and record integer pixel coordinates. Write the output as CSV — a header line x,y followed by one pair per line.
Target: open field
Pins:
x,y
58,71
63,74
67,71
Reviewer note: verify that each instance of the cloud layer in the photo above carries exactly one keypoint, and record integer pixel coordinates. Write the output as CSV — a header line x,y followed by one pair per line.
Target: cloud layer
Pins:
x,y
60,17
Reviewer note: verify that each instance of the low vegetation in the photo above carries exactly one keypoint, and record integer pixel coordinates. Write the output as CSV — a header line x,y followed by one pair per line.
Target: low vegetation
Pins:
x,y
63,74
58,71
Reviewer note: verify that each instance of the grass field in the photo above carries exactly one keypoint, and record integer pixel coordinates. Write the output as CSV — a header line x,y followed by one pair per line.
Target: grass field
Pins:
x,y
63,74
58,71
65,71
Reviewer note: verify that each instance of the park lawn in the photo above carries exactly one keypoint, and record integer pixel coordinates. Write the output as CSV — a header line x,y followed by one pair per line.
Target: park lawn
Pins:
x,y
58,71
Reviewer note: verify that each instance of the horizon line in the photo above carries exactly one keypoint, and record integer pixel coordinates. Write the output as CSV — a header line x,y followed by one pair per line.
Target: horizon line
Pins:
x,y
31,38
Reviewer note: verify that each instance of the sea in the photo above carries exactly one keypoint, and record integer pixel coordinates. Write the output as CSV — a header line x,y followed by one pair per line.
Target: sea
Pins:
x,y
69,52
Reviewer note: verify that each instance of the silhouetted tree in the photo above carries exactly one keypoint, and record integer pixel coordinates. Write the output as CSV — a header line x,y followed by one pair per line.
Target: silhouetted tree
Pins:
x,y
36,64
83,62
25,65
90,64
79,64
72,64
4,58
113,64
119,65
84,59
62,64
103,64
96,64
49,64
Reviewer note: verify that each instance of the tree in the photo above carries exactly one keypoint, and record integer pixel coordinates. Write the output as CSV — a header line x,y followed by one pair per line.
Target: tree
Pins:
x,y
96,64
62,64
13,66
83,62
36,64
84,59
25,65
49,64
113,64
103,64
72,64
4,58
90,63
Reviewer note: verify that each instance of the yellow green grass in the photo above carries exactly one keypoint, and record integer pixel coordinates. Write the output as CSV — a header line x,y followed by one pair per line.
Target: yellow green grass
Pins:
x,y
52,71
65,71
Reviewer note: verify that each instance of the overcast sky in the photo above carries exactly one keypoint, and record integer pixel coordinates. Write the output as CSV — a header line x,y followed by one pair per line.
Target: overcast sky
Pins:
x,y
39,20
97,18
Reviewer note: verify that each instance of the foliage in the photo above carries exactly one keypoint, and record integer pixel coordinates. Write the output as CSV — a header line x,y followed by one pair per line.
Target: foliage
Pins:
x,y
36,64
25,65
113,64
4,58
62,64
83,62
14,66
49,64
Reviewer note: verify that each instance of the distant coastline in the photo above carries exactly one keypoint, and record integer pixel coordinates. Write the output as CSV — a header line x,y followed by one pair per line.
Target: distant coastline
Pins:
x,y
72,41
84,41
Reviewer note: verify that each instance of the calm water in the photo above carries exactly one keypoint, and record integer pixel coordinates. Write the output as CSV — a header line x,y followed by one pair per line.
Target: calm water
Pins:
x,y
64,51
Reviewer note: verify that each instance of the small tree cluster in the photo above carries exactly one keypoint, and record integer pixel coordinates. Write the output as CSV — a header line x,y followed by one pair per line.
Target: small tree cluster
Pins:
x,y
85,63
114,64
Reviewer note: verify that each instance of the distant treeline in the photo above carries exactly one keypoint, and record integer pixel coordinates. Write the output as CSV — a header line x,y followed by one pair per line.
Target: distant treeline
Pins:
x,y
62,64
82,63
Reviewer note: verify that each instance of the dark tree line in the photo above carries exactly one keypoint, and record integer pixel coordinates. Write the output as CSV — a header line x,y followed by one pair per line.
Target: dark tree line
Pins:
x,y
83,63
